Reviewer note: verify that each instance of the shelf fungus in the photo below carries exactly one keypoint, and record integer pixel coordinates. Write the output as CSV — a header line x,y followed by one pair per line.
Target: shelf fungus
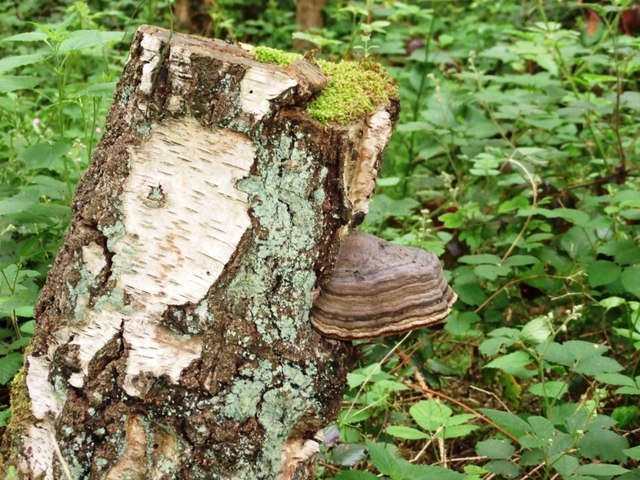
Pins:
x,y
378,288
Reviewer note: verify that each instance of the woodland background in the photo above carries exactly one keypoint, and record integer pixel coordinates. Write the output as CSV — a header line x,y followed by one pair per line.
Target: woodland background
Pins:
x,y
515,160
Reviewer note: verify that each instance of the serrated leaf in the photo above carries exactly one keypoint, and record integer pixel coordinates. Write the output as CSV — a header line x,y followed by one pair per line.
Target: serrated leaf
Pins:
x,y
495,449
480,259
455,431
503,468
633,453
82,39
597,364
9,366
513,363
552,389
428,472
602,272
520,261
9,63
631,280
604,445
407,433
601,470
11,83
509,421
355,475
27,37
385,458
616,379
430,414
354,415
536,331
491,272
541,427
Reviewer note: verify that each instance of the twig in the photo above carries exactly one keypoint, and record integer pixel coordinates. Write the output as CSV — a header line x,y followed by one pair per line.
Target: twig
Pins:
x,y
63,463
534,203
528,475
491,394
465,407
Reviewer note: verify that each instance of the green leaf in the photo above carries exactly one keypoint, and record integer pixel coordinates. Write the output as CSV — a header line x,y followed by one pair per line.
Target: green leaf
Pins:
x,y
355,475
428,472
503,468
604,445
513,204
616,379
354,415
536,331
631,279
602,272
551,389
5,415
491,272
514,364
388,181
625,415
633,453
520,261
495,449
430,414
9,366
407,433
11,83
510,422
383,207
9,63
82,39
597,364
565,464
27,37
480,259
541,427
385,458
455,431
624,252
601,470
470,293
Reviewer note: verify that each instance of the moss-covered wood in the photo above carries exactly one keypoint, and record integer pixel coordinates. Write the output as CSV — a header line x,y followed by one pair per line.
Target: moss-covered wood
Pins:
x,y
173,336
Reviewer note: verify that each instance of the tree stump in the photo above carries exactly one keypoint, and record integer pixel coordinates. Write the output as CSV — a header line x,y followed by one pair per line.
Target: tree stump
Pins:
x,y
173,337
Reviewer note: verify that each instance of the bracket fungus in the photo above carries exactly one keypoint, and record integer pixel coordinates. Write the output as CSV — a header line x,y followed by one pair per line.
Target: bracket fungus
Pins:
x,y
378,289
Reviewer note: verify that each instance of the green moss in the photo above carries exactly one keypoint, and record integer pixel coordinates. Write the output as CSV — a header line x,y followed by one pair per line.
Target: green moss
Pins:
x,y
273,55
355,90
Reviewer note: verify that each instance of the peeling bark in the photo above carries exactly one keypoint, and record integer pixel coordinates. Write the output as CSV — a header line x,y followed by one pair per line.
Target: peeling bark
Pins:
x,y
173,336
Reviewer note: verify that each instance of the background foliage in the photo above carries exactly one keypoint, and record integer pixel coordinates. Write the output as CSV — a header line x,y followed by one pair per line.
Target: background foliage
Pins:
x,y
515,160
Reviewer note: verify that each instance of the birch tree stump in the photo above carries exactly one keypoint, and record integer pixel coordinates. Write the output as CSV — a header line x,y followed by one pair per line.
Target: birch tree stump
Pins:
x,y
173,336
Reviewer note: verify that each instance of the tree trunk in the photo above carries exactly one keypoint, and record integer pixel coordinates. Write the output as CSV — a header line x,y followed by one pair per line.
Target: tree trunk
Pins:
x,y
173,336
308,17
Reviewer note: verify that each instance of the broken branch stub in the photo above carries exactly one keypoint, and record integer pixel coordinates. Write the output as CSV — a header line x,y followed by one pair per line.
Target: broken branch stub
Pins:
x,y
379,289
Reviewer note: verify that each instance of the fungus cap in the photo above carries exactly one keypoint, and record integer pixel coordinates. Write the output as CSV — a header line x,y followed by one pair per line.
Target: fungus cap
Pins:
x,y
378,289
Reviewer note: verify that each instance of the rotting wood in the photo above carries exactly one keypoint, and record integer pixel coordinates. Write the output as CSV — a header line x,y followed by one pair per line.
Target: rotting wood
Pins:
x,y
173,336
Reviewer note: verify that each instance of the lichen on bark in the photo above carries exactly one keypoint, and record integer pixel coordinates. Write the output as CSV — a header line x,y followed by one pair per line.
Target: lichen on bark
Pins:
x,y
170,346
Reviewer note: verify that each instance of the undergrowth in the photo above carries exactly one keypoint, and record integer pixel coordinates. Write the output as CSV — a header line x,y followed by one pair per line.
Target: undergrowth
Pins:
x,y
515,160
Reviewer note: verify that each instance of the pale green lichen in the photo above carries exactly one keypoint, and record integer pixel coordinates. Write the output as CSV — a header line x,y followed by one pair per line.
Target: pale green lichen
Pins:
x,y
355,89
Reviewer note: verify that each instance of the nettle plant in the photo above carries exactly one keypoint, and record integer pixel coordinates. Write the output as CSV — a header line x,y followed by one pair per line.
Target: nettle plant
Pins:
x,y
515,160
